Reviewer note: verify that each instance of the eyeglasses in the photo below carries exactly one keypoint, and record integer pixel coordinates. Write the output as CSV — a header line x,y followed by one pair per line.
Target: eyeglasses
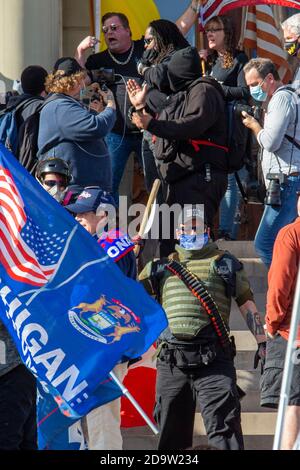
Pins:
x,y
52,183
112,27
148,41
213,30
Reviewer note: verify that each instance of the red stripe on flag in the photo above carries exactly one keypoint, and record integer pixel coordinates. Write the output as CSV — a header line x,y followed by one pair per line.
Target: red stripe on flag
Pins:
x,y
17,257
211,8
262,34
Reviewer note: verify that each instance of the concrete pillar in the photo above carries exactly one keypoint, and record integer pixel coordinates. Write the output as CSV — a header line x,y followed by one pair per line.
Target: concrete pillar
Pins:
x,y
31,34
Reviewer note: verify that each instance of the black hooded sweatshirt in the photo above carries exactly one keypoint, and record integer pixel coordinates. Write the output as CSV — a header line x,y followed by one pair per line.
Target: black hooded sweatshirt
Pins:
x,y
196,111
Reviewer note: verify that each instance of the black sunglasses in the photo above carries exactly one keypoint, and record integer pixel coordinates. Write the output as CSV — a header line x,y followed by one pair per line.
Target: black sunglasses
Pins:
x,y
52,183
213,30
148,41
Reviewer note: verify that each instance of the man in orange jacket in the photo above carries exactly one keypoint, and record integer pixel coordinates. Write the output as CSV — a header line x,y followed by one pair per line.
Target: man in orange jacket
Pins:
x,y
282,279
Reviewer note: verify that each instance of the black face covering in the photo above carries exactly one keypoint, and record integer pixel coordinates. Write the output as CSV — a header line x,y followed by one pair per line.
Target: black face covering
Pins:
x,y
149,56
184,68
292,47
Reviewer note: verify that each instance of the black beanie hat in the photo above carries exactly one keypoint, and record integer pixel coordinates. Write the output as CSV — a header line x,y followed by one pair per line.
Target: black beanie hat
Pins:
x,y
184,68
68,65
33,79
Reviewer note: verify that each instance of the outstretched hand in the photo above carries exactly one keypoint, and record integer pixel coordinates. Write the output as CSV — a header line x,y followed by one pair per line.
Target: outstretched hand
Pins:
x,y
136,93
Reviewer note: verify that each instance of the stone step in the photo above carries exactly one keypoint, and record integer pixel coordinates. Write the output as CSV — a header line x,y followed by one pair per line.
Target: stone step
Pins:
x,y
137,442
240,249
248,380
258,431
244,340
254,267
252,424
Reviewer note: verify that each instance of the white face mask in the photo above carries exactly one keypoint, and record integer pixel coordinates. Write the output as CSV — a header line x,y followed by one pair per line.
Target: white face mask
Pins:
x,y
193,242
57,194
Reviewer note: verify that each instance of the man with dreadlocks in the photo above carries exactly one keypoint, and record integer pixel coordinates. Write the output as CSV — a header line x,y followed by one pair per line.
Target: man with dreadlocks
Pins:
x,y
162,39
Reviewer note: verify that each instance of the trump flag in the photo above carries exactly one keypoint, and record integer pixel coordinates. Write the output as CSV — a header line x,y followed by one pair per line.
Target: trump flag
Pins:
x,y
72,313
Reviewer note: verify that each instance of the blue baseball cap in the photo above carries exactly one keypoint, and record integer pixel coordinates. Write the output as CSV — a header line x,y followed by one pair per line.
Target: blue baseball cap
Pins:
x,y
90,199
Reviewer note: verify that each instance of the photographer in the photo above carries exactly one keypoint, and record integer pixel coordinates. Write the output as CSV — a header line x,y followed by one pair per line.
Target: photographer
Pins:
x,y
68,130
279,140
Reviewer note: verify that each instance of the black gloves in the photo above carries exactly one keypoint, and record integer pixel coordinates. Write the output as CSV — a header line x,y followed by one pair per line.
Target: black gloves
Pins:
x,y
260,355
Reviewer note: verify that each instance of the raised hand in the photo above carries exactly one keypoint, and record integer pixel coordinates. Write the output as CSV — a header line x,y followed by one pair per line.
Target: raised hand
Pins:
x,y
136,93
86,43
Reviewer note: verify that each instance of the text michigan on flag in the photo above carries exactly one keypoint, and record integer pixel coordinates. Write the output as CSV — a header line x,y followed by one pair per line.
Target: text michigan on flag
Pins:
x,y
71,312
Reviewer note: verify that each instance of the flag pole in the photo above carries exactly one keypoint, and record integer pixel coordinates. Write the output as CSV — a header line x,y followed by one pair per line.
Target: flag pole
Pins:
x,y
243,28
288,367
92,17
151,201
132,400
201,37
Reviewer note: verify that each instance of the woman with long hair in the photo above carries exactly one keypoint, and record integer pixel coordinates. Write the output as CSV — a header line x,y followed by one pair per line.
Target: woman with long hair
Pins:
x,y
226,63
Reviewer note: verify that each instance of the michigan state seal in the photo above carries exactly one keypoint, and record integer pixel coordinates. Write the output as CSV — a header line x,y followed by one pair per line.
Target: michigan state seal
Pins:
x,y
105,321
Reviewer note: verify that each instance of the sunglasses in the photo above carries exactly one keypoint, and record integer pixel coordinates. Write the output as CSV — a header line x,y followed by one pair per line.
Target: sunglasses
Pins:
x,y
52,183
213,30
148,41
112,27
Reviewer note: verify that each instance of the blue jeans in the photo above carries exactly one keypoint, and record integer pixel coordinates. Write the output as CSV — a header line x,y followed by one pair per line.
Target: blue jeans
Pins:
x,y
274,218
229,222
120,151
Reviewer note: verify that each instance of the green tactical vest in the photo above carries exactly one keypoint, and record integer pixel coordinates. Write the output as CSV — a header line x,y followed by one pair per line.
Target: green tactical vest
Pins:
x,y
185,314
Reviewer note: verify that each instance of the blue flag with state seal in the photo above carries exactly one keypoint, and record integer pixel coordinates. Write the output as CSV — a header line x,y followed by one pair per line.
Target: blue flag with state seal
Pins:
x,y
72,313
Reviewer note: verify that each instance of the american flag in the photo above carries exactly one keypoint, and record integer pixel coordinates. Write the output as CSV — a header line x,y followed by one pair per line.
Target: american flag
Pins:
x,y
212,8
262,34
29,253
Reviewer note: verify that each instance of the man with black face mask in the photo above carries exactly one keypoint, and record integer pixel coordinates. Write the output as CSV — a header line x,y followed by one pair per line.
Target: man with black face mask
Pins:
x,y
291,32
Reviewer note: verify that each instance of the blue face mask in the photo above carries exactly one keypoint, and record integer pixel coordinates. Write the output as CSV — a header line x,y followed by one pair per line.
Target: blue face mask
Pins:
x,y
257,93
193,242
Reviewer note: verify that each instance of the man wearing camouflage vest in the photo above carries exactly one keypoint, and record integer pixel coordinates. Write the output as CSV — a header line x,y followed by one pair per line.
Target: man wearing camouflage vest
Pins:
x,y
195,353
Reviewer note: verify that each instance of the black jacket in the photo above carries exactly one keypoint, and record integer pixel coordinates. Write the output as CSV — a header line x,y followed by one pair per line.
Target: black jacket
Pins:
x,y
198,113
31,105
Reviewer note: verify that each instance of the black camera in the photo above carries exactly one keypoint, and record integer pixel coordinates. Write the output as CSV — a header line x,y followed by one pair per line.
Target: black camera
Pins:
x,y
254,111
103,76
273,194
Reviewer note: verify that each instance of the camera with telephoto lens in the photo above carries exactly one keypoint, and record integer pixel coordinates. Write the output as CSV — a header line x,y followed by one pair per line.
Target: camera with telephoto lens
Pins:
x,y
105,77
254,111
273,194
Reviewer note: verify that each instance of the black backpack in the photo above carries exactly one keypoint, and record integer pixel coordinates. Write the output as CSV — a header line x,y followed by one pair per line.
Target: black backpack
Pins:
x,y
28,132
9,127
238,136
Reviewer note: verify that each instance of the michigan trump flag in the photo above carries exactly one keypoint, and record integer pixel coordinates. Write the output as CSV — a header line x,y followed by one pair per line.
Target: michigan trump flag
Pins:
x,y
72,313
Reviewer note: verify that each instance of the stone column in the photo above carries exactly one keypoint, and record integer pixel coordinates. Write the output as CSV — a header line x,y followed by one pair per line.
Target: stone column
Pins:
x,y
31,34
